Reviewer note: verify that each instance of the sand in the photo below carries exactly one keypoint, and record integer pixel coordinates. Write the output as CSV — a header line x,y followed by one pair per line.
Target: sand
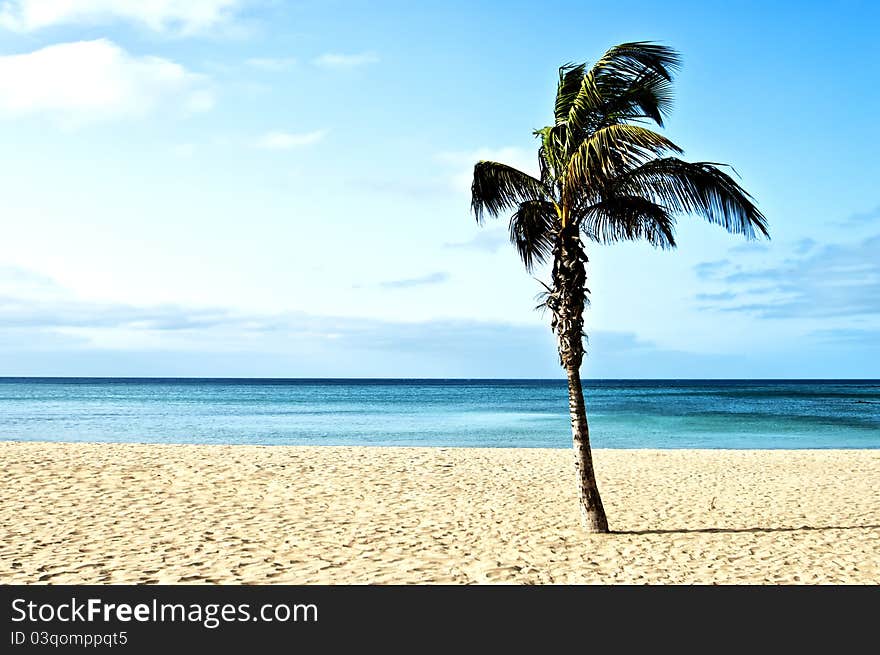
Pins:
x,y
113,513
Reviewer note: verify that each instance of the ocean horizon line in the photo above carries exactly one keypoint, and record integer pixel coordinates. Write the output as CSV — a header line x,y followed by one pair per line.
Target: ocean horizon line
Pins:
x,y
196,378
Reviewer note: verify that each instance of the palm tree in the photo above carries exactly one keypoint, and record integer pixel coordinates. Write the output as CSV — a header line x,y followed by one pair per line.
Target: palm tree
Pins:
x,y
606,177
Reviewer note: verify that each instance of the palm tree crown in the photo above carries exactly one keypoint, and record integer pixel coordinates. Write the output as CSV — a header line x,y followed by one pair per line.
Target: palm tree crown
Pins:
x,y
605,173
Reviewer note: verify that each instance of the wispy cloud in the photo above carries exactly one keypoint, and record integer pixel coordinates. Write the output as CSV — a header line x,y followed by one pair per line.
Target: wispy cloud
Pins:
x,y
485,240
53,333
748,248
71,313
16,282
287,140
87,81
862,337
408,283
340,61
804,246
835,280
70,337
709,270
64,323
271,64
162,15
713,297
863,217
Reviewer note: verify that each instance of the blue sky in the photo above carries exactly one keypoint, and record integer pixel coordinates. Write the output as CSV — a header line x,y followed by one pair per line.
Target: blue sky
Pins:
x,y
260,188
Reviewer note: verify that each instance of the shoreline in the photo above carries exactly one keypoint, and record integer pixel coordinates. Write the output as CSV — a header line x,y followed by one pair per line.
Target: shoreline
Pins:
x,y
77,512
174,444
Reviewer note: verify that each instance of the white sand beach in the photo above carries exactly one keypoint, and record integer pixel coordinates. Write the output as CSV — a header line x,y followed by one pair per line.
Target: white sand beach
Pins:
x,y
125,513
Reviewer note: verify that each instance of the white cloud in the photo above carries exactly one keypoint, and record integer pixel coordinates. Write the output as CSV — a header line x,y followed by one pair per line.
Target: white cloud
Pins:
x,y
87,81
272,64
463,163
336,60
17,282
160,15
288,140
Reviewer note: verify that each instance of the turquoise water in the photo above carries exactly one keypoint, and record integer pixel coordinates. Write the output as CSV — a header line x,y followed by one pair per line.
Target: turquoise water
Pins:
x,y
496,413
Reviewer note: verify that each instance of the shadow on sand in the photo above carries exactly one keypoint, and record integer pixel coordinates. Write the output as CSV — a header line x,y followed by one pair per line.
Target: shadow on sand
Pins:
x,y
803,528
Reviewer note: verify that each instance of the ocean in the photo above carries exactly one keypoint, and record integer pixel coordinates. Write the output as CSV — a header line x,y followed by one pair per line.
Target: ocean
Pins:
x,y
481,413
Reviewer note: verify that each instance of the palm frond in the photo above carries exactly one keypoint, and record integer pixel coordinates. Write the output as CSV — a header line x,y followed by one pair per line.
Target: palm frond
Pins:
x,y
570,78
585,107
533,231
611,151
545,299
552,152
543,296
546,166
630,81
697,188
629,218
629,60
649,97
498,188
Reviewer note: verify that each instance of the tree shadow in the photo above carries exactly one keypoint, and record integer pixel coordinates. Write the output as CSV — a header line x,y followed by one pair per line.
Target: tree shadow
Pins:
x,y
803,528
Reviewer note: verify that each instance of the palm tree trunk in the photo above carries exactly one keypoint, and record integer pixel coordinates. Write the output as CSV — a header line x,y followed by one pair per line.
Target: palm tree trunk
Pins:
x,y
590,503
567,300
